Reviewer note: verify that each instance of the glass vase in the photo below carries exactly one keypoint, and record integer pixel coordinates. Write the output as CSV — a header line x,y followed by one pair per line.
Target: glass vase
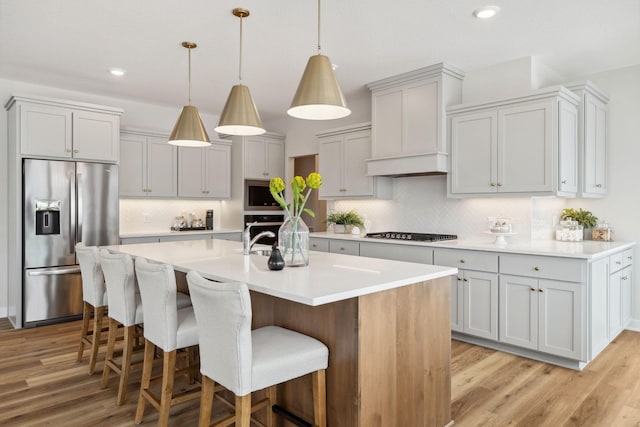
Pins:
x,y
293,242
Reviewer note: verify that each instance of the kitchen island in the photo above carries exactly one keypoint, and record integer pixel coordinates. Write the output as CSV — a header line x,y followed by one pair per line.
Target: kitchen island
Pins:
x,y
386,323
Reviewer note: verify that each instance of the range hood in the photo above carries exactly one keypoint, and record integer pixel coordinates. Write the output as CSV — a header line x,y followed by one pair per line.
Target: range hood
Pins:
x,y
409,165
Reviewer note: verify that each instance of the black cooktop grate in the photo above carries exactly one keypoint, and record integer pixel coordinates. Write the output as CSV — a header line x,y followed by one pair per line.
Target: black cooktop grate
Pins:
x,y
418,237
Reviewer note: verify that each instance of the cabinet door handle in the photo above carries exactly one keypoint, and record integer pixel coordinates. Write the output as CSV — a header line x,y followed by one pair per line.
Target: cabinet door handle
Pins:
x,y
459,278
499,184
536,268
540,290
149,190
618,262
599,185
465,279
68,150
532,289
76,151
629,257
564,181
493,184
461,261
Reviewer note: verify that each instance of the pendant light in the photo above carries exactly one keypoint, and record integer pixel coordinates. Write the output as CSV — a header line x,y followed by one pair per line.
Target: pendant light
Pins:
x,y
318,96
189,130
239,115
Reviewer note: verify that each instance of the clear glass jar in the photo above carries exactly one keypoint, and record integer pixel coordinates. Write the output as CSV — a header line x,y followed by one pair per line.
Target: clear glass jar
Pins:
x,y
603,232
293,242
569,231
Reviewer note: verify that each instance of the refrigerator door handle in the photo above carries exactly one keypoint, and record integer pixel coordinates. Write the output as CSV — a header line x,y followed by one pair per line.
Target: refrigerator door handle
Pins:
x,y
80,205
54,271
72,210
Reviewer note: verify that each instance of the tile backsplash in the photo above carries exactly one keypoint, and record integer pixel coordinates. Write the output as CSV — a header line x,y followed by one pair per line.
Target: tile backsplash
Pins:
x,y
420,204
148,216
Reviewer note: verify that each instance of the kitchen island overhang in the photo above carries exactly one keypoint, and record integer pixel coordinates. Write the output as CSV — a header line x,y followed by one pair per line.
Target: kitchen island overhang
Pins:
x,y
386,323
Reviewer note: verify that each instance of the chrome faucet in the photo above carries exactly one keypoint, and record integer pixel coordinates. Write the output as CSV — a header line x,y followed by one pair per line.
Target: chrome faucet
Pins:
x,y
248,242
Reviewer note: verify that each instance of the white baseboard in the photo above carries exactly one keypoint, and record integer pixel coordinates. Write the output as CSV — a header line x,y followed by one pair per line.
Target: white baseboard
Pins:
x,y
634,325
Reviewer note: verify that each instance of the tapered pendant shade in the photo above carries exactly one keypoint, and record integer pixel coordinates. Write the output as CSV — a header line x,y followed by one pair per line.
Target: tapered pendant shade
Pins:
x,y
318,96
240,115
189,130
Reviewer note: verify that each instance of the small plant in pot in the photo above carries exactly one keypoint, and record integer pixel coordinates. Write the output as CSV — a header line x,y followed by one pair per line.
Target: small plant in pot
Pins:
x,y
582,217
343,222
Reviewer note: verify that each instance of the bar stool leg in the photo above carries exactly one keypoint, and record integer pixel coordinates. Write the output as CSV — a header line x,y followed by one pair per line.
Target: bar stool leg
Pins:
x,y
149,352
98,314
111,342
271,395
129,337
168,374
319,398
243,410
86,314
206,401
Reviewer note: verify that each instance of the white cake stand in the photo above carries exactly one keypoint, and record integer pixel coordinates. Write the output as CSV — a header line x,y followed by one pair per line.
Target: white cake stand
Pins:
x,y
500,237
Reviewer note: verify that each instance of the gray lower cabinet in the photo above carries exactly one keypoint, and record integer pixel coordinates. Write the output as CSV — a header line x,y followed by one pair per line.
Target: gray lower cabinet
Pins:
x,y
316,244
346,247
235,236
409,253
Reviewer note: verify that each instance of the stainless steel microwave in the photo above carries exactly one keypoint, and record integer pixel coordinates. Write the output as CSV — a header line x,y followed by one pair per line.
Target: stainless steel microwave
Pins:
x,y
257,196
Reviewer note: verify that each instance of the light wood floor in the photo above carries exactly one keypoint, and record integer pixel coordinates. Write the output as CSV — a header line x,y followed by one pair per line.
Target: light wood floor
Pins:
x,y
42,384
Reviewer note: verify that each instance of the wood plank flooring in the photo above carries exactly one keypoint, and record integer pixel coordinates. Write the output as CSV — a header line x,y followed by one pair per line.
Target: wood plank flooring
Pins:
x,y
41,384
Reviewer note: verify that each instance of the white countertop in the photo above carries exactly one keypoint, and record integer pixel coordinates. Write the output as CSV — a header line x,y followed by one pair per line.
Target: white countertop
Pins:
x,y
328,278
169,232
588,249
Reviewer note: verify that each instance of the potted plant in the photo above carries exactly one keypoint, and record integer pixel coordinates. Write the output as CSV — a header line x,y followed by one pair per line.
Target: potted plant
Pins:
x,y
582,217
343,222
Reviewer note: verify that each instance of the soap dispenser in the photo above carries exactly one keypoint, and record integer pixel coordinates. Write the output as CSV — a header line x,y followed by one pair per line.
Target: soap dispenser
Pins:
x,y
276,262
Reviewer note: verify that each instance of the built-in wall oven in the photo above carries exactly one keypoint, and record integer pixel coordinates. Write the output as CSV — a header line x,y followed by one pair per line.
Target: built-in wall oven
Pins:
x,y
264,223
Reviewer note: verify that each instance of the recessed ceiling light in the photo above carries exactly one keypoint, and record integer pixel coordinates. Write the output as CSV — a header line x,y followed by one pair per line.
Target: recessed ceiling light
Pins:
x,y
486,12
117,72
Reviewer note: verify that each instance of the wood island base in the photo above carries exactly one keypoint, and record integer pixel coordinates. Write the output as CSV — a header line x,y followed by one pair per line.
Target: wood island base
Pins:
x,y
389,355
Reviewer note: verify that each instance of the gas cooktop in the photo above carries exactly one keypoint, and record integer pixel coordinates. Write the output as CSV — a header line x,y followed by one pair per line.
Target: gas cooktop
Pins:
x,y
418,237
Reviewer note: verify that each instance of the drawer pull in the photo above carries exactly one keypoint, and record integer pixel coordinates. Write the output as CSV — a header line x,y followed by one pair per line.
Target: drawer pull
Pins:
x,y
536,269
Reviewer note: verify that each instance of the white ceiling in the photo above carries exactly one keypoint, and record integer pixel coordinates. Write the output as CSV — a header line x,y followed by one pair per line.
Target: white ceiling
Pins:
x,y
72,43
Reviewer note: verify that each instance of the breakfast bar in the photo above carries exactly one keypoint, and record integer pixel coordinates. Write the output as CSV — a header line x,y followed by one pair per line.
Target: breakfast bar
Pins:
x,y
386,324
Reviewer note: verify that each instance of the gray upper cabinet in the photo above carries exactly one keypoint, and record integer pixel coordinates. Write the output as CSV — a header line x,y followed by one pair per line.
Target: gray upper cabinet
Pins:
x,y
53,128
409,126
592,138
526,145
205,172
148,165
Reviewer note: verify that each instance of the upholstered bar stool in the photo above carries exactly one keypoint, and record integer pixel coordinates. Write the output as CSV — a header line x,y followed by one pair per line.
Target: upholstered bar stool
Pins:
x,y
125,308
244,361
94,295
168,327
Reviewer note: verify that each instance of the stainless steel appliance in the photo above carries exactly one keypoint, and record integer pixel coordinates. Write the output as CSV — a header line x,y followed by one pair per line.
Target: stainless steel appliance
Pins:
x,y
63,203
257,196
419,237
264,223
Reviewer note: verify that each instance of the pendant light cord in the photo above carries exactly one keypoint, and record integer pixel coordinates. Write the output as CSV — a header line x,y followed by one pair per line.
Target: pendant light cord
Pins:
x,y
318,27
189,76
240,60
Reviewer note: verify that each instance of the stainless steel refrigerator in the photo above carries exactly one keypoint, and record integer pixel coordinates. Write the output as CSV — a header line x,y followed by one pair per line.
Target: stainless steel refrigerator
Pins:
x,y
63,203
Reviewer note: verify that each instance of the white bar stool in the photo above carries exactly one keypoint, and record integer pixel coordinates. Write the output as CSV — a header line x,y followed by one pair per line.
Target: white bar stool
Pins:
x,y
94,296
125,308
243,360
166,326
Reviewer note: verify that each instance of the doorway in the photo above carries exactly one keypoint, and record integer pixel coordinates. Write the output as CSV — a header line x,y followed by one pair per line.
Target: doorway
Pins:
x,y
303,166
